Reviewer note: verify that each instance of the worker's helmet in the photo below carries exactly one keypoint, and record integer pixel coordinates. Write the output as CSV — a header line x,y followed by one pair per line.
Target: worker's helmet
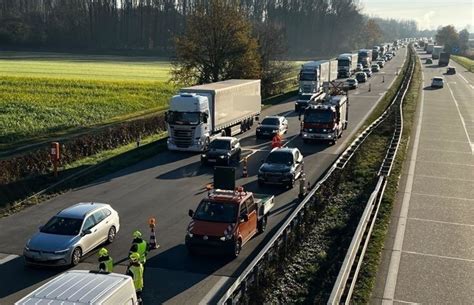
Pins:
x,y
134,257
137,234
103,252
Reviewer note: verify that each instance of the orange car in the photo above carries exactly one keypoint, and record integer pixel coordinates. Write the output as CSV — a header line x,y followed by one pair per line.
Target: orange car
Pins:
x,y
226,220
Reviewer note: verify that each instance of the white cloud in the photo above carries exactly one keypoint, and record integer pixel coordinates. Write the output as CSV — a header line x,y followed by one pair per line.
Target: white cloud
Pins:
x,y
426,21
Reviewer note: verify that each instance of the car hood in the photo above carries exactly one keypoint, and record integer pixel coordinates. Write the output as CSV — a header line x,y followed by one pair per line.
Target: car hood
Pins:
x,y
275,167
216,152
209,228
268,126
51,242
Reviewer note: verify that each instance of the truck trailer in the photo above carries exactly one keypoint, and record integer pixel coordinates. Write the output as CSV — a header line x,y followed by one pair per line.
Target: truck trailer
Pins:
x,y
314,73
346,64
429,48
436,52
327,120
444,59
200,112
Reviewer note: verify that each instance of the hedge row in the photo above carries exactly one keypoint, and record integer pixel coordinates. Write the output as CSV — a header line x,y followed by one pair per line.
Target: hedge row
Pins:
x,y
38,162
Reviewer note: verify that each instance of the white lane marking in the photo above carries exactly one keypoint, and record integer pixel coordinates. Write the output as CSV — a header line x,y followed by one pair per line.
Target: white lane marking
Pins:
x,y
391,283
441,222
447,150
445,178
444,197
291,139
207,298
462,120
448,163
405,302
8,258
440,256
463,78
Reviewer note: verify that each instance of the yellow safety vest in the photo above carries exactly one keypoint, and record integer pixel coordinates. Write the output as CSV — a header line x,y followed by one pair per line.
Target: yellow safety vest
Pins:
x,y
141,249
137,272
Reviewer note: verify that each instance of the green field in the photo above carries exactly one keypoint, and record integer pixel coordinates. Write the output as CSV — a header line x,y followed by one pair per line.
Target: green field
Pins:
x,y
465,62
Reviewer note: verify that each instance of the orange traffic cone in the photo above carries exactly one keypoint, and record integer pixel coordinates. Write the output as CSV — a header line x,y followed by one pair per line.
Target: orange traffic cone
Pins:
x,y
244,170
152,244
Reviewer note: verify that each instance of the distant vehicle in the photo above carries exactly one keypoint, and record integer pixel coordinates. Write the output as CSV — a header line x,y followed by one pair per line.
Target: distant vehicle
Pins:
x,y
444,59
367,71
365,57
429,61
201,112
222,150
346,64
72,233
451,70
437,82
282,166
314,73
352,83
94,287
437,50
303,101
381,63
361,77
227,218
359,68
429,48
375,68
272,125
388,57
326,121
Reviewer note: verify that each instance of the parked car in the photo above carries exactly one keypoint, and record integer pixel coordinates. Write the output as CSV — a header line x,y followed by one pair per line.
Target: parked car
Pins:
x,y
451,70
375,68
437,82
352,83
361,77
222,150
381,63
282,166
72,233
360,67
272,125
368,72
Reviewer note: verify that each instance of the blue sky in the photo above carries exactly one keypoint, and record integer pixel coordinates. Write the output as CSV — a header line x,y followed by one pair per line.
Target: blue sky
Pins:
x,y
428,13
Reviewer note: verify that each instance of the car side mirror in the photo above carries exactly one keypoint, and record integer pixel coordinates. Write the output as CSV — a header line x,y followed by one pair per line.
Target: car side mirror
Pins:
x,y
204,118
86,232
191,213
244,218
257,118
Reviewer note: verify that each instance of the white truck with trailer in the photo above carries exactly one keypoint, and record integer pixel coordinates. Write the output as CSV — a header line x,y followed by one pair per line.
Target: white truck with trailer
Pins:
x,y
346,64
437,50
83,287
199,113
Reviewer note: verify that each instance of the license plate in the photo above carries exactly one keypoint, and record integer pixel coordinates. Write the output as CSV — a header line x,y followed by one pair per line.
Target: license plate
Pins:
x,y
211,160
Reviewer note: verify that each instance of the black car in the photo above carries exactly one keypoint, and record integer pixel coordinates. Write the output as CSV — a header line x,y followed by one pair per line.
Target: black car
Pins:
x,y
451,70
283,166
222,151
361,77
270,126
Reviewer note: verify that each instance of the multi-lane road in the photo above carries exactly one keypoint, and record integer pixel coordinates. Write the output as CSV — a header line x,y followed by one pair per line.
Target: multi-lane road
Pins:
x,y
428,257
165,187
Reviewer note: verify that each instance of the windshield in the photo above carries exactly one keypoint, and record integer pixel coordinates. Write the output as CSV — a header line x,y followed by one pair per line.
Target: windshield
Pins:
x,y
183,118
321,116
308,76
62,226
280,158
216,211
220,144
343,63
271,121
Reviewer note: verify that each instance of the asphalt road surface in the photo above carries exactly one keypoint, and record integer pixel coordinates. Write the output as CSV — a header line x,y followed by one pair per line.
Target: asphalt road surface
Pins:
x,y
166,187
428,257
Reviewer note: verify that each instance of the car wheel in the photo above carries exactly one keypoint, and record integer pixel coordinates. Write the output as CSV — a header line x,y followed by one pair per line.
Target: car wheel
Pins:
x,y
262,224
237,248
76,256
111,235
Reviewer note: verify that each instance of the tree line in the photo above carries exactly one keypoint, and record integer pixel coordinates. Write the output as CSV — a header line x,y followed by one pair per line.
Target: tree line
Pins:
x,y
309,27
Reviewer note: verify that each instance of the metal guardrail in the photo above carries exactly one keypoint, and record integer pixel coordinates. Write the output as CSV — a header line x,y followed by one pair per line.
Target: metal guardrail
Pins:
x,y
347,277
237,290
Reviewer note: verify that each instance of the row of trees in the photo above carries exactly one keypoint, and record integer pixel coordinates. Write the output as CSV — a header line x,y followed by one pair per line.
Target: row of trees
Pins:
x,y
323,27
453,41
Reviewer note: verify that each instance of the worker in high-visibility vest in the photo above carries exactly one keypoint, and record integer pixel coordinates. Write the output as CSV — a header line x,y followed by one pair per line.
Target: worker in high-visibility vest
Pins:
x,y
140,246
276,141
135,270
105,261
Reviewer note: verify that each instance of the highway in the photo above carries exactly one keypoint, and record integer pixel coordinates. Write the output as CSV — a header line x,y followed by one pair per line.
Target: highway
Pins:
x,y
165,187
428,256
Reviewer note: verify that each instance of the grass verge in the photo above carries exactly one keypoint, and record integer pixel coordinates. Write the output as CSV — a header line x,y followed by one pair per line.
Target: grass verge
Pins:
x,y
464,61
366,280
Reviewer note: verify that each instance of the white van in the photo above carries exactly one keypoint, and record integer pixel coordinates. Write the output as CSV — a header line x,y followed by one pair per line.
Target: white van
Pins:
x,y
84,287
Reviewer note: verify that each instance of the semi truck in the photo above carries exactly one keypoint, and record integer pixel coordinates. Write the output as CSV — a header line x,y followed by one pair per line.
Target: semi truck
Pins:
x,y
346,64
436,52
314,73
375,52
228,217
326,120
365,58
199,113
444,59
429,48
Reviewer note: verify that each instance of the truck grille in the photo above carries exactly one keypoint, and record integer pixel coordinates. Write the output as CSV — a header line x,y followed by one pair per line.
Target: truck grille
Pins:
x,y
183,137
273,175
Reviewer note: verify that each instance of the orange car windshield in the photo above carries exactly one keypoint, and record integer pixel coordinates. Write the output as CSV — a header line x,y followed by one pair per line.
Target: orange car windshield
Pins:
x,y
216,211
